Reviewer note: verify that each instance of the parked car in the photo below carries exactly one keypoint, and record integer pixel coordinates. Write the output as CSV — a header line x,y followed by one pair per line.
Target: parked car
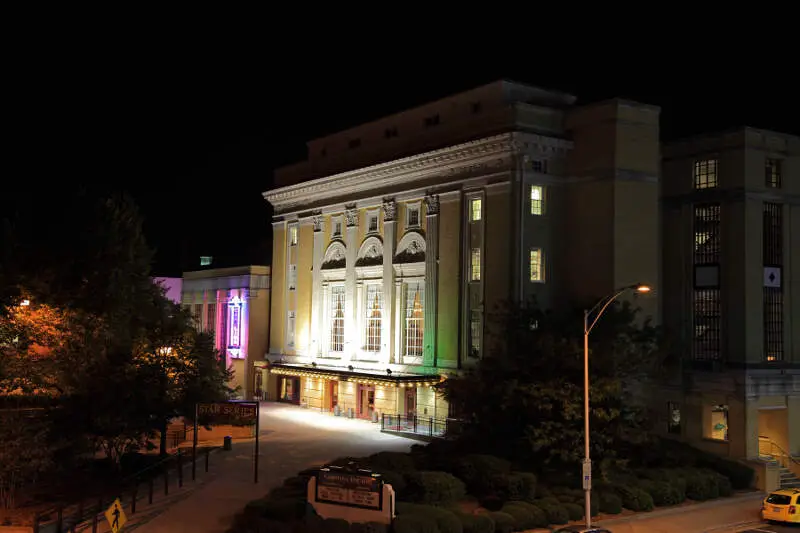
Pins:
x,y
782,506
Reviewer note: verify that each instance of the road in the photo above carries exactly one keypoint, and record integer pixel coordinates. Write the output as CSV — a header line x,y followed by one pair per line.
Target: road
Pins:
x,y
770,528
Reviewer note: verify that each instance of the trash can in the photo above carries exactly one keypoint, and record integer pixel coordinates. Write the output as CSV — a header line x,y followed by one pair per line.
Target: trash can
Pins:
x,y
227,443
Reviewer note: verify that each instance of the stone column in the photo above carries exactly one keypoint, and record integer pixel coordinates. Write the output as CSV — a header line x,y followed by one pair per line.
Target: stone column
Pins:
x,y
358,327
317,301
350,333
397,333
389,294
325,320
431,278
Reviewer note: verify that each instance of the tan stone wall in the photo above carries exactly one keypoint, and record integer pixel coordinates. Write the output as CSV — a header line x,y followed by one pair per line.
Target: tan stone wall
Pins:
x,y
449,282
257,328
278,311
305,252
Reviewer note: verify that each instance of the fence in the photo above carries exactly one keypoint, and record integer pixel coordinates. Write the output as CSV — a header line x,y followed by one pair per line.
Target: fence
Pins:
x,y
417,425
135,490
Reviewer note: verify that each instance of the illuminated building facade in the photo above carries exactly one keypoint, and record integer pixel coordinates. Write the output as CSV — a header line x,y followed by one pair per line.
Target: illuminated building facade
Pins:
x,y
731,278
232,304
395,240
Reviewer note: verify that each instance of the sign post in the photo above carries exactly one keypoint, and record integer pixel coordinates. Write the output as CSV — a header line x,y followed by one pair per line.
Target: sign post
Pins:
x,y
231,412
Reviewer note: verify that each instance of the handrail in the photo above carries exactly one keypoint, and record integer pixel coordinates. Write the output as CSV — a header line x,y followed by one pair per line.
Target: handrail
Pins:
x,y
783,453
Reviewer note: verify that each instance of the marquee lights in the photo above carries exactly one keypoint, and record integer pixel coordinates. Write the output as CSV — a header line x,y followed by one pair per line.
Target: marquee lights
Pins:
x,y
362,381
235,327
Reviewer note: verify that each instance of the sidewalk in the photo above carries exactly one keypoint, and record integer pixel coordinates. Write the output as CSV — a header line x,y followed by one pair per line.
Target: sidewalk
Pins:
x,y
721,515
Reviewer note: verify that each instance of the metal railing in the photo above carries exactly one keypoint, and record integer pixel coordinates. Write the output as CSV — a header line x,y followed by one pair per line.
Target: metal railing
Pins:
x,y
414,424
769,449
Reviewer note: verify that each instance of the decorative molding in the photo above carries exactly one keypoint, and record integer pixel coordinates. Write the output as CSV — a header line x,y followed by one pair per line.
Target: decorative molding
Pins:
x,y
334,275
335,256
431,205
389,210
317,219
371,248
374,272
351,215
408,270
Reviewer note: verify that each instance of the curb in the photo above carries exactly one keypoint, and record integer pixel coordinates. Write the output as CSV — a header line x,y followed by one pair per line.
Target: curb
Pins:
x,y
683,509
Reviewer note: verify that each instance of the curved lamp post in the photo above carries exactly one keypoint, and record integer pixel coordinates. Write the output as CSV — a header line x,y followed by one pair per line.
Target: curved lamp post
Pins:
x,y
600,308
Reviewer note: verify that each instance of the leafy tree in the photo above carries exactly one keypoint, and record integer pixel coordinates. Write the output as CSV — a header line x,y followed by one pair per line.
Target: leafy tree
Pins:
x,y
25,453
528,390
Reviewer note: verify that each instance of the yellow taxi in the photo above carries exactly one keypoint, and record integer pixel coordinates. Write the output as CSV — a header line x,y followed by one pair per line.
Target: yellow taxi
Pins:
x,y
782,506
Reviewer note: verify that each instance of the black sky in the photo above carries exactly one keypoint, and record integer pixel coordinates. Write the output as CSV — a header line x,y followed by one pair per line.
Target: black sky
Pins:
x,y
194,135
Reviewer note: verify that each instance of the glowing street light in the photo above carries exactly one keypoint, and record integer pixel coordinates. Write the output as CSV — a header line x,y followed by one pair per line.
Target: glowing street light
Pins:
x,y
602,305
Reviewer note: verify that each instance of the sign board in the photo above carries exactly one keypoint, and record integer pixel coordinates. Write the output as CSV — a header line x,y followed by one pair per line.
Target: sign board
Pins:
x,y
587,474
355,490
772,277
115,516
242,412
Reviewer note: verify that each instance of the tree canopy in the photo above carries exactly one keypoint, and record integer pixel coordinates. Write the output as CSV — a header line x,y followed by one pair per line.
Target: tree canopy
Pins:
x,y
527,391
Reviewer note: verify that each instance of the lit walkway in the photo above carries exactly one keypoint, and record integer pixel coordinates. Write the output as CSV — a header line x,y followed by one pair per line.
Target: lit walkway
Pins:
x,y
292,438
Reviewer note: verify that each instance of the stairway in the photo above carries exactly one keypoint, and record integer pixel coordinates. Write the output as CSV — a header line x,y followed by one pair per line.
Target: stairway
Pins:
x,y
788,480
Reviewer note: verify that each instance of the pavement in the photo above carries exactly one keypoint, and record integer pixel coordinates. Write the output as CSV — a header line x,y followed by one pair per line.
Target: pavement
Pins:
x,y
291,439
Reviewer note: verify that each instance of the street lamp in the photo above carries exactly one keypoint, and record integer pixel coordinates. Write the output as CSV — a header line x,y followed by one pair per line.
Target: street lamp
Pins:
x,y
587,328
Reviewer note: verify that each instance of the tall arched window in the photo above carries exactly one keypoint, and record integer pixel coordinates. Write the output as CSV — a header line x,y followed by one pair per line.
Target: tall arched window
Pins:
x,y
415,318
373,318
337,319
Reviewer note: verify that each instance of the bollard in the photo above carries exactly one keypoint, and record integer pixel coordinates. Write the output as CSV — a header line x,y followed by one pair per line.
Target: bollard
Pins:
x,y
227,443
180,470
150,491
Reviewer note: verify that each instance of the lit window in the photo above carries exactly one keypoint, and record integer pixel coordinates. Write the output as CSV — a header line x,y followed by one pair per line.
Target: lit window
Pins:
x,y
537,266
475,330
772,173
415,318
293,236
705,174
290,328
537,206
718,423
292,277
337,318
475,209
413,216
372,223
372,318
475,264
205,260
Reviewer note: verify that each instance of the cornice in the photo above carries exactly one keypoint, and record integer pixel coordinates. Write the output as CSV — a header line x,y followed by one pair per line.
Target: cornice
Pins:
x,y
404,171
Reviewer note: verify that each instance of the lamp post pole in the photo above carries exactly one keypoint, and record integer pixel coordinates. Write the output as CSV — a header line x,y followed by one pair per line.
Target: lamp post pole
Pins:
x,y
587,328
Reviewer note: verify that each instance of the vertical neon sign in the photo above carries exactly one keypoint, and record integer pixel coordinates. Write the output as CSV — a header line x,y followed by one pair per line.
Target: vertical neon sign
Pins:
x,y
235,327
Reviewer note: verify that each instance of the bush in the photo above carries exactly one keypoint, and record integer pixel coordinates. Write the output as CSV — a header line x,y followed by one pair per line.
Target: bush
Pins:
x,y
392,461
475,523
414,524
434,488
444,520
610,503
662,492
526,514
335,525
396,480
724,485
701,485
483,474
634,498
492,503
521,486
503,523
556,514
574,511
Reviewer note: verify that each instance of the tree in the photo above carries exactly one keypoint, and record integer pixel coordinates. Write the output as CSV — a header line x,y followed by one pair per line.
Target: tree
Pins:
x,y
25,452
527,391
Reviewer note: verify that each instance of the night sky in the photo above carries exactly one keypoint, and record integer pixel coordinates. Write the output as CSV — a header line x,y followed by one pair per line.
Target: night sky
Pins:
x,y
194,138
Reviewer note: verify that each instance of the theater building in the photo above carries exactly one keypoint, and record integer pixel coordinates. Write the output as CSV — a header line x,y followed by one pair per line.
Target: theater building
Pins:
x,y
395,240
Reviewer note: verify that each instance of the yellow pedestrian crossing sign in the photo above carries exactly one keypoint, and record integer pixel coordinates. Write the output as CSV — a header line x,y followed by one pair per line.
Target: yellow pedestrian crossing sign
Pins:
x,y
116,516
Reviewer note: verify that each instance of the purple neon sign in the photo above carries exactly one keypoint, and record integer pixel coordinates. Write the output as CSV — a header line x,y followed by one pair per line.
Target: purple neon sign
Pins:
x,y
235,327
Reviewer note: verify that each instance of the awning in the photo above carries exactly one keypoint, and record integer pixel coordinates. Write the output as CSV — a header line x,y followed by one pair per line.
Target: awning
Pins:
x,y
395,379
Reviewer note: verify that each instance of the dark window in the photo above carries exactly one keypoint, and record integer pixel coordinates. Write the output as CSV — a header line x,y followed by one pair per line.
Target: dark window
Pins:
x,y
432,121
779,499
354,143
773,234
772,173
772,246
707,324
773,324
539,165
706,234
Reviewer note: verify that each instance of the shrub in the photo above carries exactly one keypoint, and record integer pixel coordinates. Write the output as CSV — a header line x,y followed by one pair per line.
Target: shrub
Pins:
x,y
556,514
610,503
414,524
396,480
335,525
724,485
701,485
634,498
492,503
393,461
475,523
483,474
444,520
434,488
574,511
521,486
526,514
503,523
662,492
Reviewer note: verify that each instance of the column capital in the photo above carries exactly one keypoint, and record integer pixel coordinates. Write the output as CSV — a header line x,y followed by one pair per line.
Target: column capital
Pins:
x,y
432,205
389,209
351,215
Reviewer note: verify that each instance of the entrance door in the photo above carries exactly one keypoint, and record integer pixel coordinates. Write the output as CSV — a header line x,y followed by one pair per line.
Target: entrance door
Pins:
x,y
258,385
366,401
411,403
333,394
290,390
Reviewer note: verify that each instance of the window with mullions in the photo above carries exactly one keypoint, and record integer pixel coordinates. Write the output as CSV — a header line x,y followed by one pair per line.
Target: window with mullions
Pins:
x,y
707,318
372,318
773,324
772,173
773,234
706,234
337,319
414,318
705,174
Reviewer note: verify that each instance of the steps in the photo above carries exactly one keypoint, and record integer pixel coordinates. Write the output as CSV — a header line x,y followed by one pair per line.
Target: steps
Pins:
x,y
788,480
